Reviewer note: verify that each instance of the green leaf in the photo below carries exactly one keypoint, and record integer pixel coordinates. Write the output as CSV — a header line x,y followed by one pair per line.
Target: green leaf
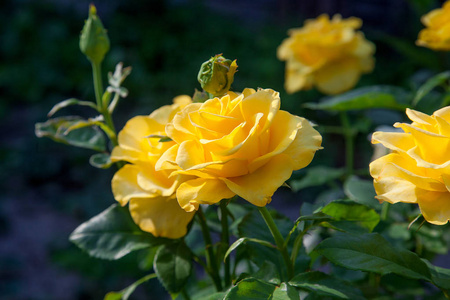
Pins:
x,y
112,234
69,102
251,288
101,160
439,276
378,96
325,285
316,176
361,191
214,296
351,217
173,265
286,291
253,226
86,137
268,273
372,253
429,85
243,240
126,293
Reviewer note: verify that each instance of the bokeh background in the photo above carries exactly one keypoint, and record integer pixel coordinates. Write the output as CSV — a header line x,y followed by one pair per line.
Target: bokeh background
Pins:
x,y
48,189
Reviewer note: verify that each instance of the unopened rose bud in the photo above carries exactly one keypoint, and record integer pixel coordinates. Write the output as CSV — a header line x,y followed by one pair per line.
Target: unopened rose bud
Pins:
x,y
94,41
217,74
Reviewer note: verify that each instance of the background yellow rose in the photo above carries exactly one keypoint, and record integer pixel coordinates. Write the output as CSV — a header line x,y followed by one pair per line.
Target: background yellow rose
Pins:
x,y
436,35
240,144
418,169
329,54
150,193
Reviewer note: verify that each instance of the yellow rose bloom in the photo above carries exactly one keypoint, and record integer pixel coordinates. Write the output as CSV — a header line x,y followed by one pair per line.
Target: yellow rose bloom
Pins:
x,y
418,168
436,35
329,54
150,194
239,144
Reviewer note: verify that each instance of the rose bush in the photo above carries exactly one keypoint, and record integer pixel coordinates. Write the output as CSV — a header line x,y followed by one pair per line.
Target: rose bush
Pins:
x,y
418,169
150,193
436,35
329,54
239,144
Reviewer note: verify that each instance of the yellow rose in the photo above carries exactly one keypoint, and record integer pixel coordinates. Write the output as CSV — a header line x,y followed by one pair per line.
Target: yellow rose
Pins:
x,y
436,35
150,194
329,54
418,168
239,144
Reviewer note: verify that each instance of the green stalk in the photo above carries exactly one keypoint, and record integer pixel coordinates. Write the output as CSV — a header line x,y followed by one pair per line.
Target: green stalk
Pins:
x,y
279,240
103,109
98,84
225,239
385,210
210,256
349,143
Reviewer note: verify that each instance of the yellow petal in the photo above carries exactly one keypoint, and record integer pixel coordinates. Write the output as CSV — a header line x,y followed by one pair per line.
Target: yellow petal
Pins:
x,y
190,154
338,77
134,135
132,156
266,102
424,139
181,128
192,193
397,141
158,181
306,143
161,216
435,206
168,159
259,186
124,185
395,190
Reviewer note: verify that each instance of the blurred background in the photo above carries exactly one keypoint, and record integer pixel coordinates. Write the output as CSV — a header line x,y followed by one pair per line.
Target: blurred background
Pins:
x,y
48,189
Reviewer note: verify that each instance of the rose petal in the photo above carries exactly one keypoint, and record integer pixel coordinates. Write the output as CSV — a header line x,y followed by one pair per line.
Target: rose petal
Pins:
x,y
398,141
192,193
337,77
435,206
259,186
161,216
124,185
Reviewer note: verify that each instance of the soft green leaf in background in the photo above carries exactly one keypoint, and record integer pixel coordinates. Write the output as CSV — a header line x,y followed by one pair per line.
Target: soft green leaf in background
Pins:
x,y
377,96
351,217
